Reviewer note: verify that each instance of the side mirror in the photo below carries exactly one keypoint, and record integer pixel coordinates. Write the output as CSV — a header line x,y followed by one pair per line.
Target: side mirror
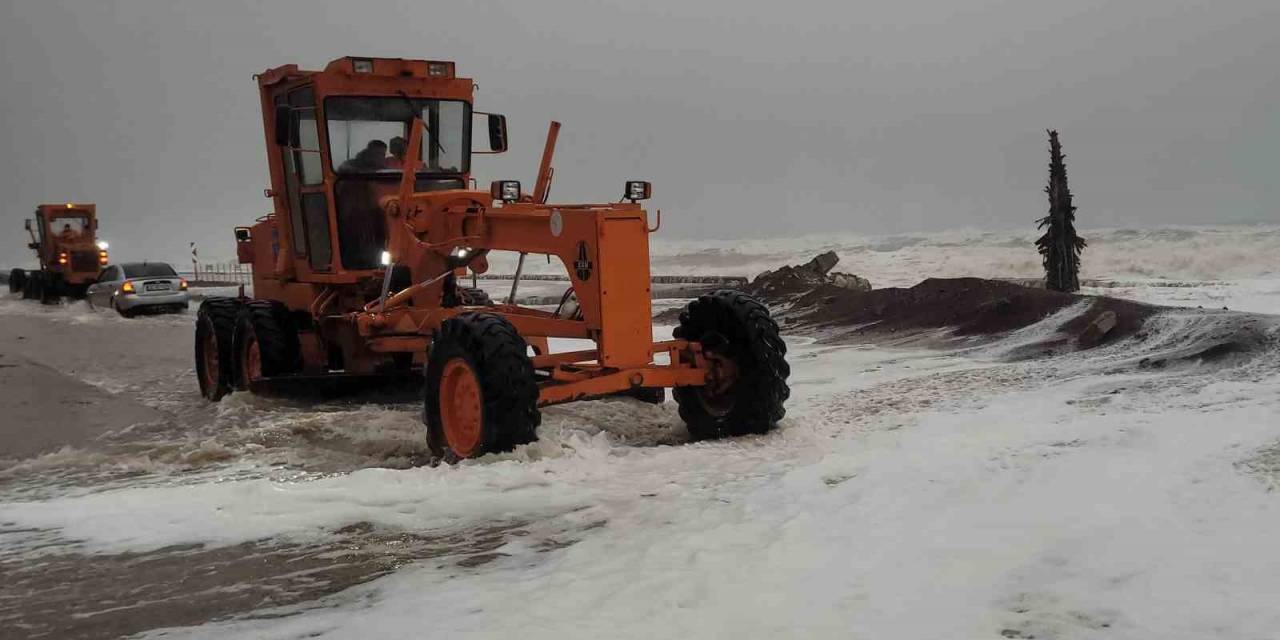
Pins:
x,y
496,124
284,117
26,224
497,133
242,234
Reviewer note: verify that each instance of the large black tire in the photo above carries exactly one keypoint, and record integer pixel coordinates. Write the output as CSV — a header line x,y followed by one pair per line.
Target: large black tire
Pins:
x,y
124,313
50,289
17,278
489,349
734,329
215,333
265,325
31,286
474,297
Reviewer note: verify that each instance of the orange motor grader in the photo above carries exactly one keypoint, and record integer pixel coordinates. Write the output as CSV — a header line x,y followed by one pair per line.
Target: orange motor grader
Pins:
x,y
64,237
377,220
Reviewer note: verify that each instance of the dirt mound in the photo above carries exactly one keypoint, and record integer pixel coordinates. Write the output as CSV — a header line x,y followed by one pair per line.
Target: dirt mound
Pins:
x,y
806,299
969,306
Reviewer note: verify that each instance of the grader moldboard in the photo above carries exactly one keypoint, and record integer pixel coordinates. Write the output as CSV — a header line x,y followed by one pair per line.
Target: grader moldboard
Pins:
x,y
357,272
64,239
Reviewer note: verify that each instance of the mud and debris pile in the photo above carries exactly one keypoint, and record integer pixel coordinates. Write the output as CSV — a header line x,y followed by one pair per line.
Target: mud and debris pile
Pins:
x,y
790,282
812,299
965,306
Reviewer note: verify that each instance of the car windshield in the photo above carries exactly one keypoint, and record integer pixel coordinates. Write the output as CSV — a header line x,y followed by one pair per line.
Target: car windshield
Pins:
x,y
149,270
72,225
370,135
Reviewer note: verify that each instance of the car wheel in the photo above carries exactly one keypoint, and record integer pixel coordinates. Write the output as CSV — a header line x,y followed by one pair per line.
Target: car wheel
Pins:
x,y
127,313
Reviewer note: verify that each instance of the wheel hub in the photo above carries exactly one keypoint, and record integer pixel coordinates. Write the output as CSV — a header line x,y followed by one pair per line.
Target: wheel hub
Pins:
x,y
252,359
209,346
461,407
722,376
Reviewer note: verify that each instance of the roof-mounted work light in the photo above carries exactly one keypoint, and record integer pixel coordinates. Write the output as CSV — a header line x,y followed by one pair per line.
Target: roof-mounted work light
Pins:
x,y
637,190
505,190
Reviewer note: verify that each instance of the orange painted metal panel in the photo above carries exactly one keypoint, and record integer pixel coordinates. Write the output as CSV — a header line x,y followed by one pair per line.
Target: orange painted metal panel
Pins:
x,y
626,307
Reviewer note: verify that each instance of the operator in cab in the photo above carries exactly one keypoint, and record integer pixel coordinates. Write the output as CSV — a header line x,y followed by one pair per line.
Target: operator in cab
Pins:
x,y
372,158
398,148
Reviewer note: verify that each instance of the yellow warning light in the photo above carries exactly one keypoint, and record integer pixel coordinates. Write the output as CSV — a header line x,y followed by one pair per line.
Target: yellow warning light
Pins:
x,y
68,205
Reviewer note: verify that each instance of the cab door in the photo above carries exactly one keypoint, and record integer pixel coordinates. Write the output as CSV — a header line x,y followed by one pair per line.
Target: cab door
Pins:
x,y
306,193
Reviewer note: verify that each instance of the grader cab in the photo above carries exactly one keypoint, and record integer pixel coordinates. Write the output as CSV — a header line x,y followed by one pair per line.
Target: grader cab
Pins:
x,y
64,237
359,271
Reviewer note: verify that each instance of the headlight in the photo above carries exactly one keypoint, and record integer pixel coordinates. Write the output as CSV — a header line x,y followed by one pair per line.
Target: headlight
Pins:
x,y
127,287
386,258
102,244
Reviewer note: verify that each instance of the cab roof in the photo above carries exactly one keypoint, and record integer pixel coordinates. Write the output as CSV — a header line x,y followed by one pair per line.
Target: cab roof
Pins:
x,y
366,66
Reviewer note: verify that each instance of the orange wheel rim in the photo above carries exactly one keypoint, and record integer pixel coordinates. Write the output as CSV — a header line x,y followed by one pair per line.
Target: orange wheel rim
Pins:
x,y
209,346
461,407
252,360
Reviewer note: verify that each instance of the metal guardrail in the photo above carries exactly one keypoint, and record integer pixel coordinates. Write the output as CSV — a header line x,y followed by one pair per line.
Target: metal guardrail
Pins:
x,y
219,274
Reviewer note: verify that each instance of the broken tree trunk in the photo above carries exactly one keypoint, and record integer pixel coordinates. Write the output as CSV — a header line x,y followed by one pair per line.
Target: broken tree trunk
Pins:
x,y
1059,247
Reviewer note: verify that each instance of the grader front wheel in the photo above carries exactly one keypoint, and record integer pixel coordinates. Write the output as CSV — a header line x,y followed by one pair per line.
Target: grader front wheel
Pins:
x,y
747,382
461,408
480,394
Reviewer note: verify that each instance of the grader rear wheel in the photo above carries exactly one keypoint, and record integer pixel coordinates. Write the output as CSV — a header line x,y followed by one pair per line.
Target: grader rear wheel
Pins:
x,y
480,395
747,383
265,343
17,278
215,328
31,285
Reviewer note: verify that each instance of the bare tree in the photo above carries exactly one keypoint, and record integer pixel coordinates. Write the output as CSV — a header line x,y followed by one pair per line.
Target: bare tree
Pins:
x,y
1060,247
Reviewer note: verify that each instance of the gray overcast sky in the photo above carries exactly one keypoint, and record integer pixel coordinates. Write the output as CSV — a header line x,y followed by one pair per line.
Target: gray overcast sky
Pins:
x,y
750,119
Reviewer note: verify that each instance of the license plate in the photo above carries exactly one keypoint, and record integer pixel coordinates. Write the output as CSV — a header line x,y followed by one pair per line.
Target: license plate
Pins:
x,y
156,286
